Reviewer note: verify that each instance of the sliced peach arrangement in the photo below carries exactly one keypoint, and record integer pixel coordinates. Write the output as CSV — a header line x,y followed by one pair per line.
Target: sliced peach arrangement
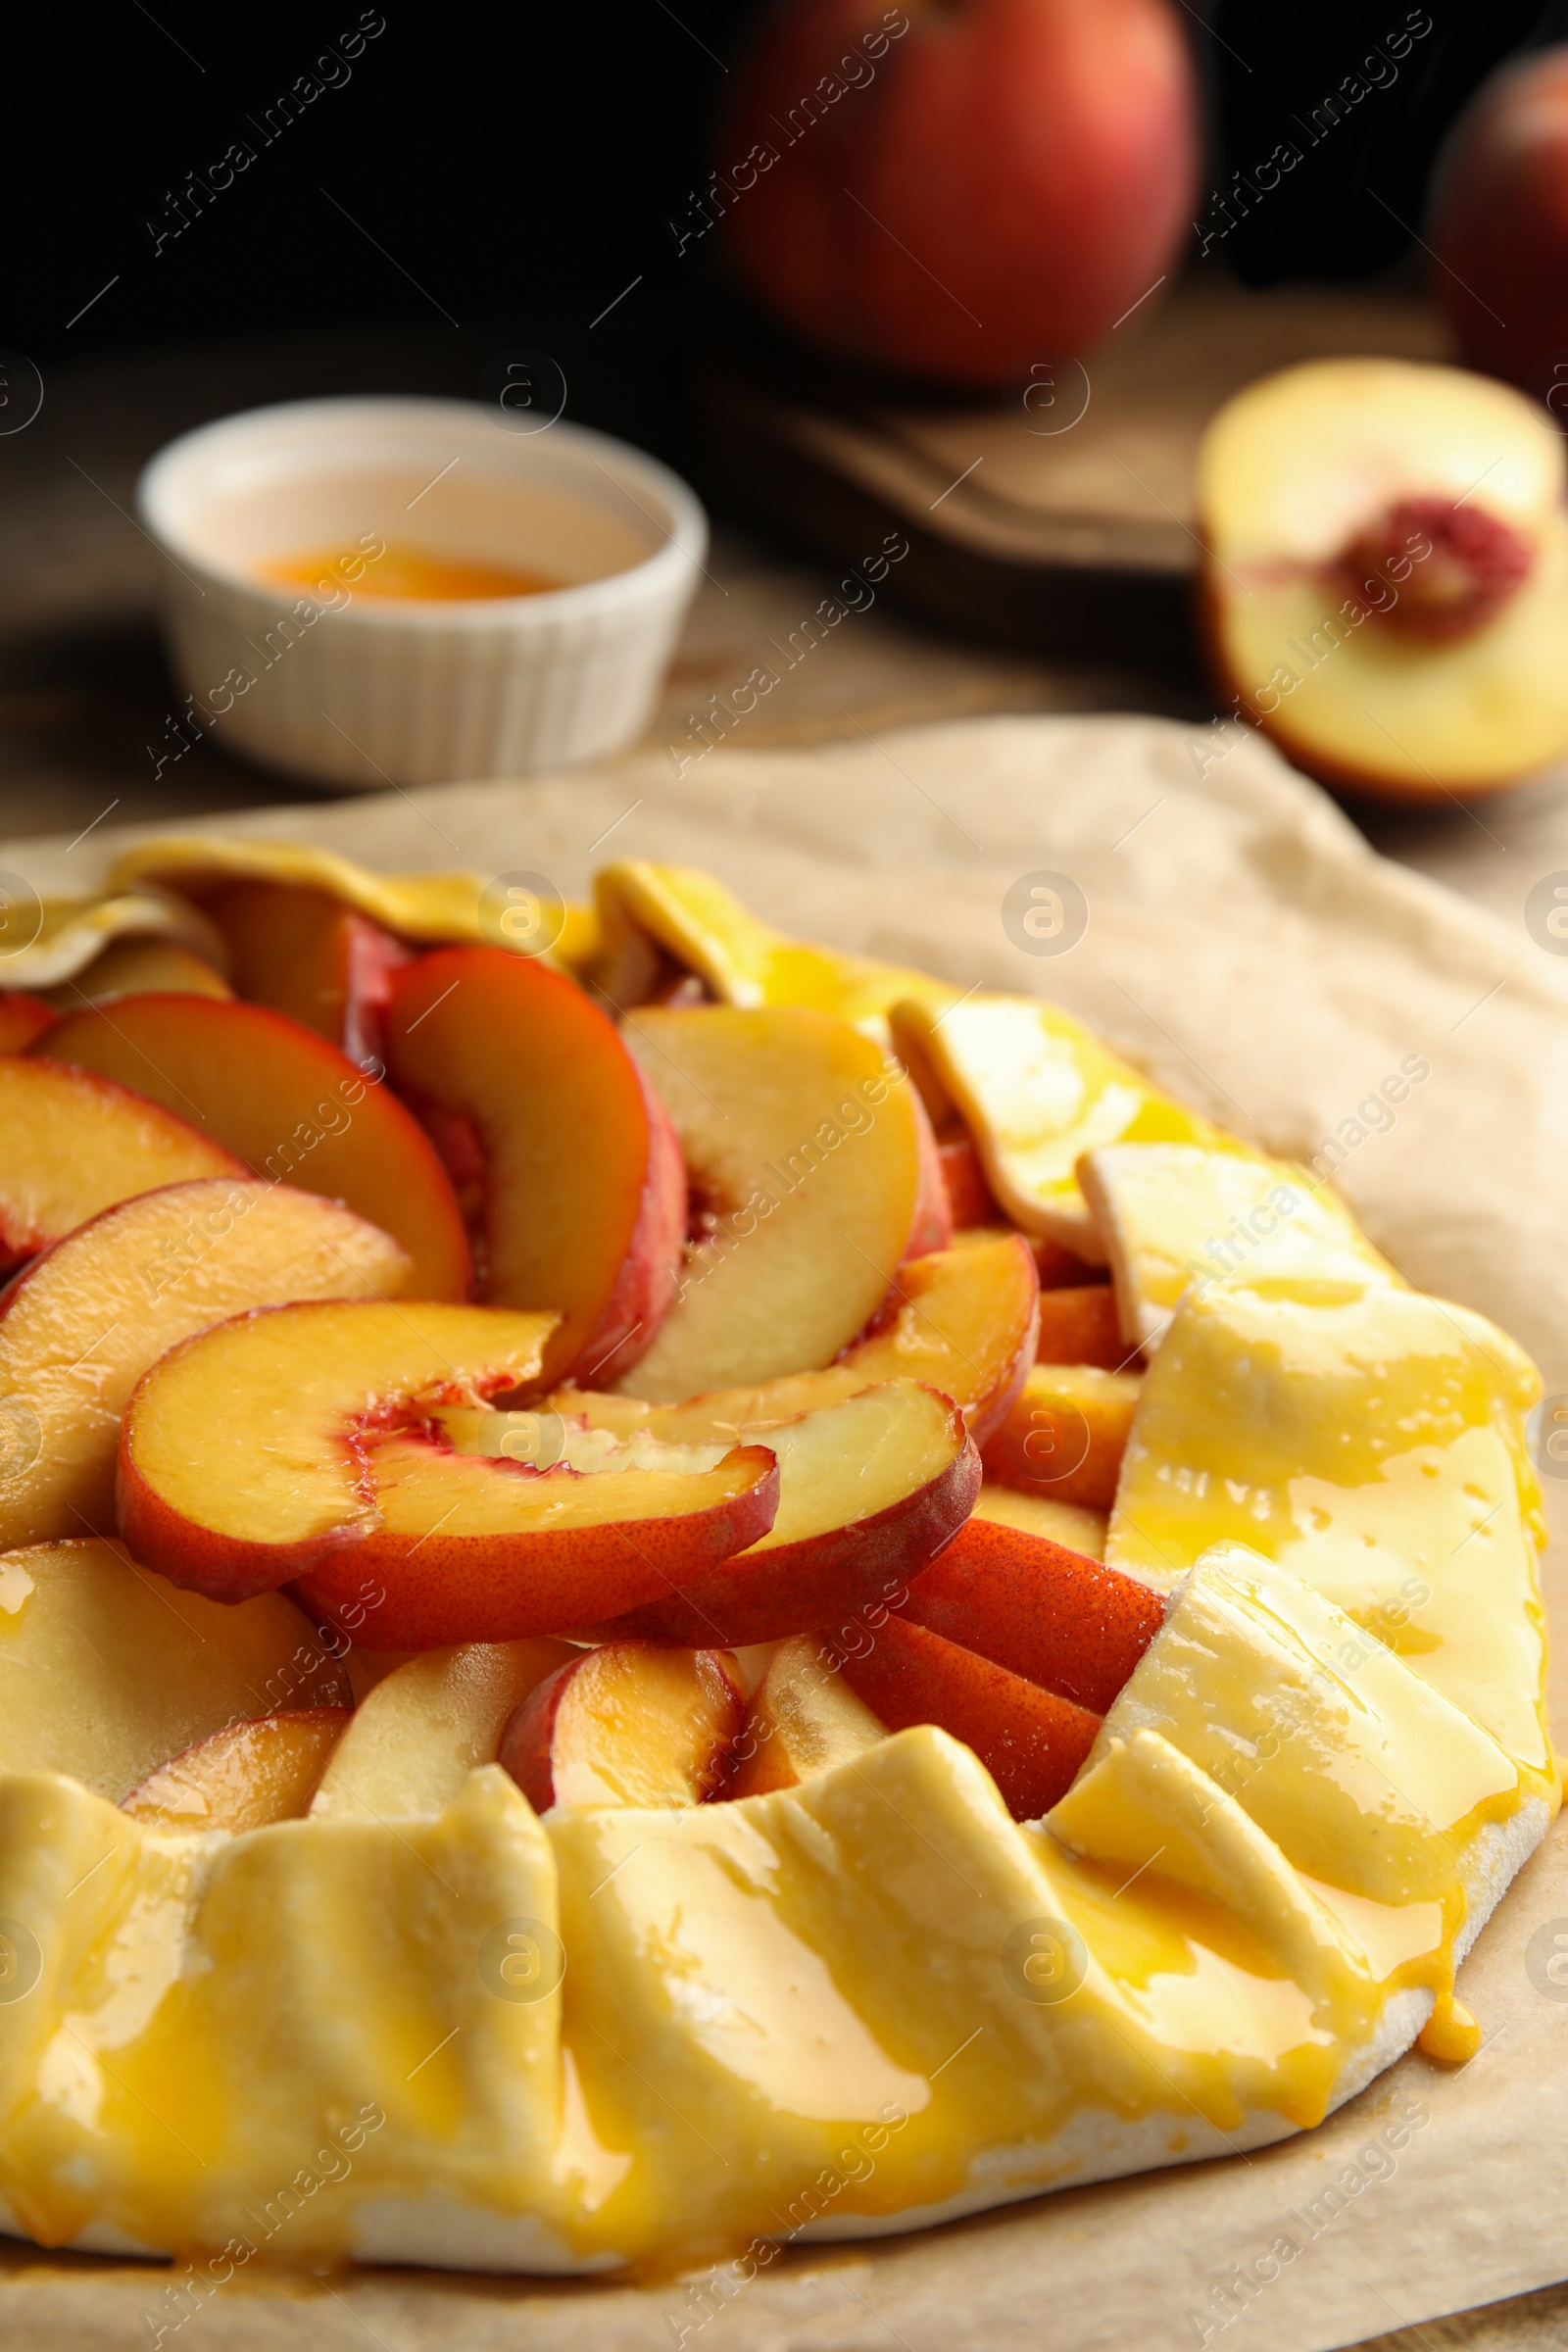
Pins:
x,y
1064,1436
279,1098
418,1734
601,1388
803,1719
964,1321
869,1490
295,1446
112,1672
91,1314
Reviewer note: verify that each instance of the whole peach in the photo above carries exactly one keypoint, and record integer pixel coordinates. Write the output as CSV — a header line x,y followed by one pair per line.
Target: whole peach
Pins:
x,y
1500,227
959,190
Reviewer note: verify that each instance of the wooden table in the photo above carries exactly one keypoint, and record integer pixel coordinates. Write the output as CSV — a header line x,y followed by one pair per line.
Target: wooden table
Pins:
x,y
84,692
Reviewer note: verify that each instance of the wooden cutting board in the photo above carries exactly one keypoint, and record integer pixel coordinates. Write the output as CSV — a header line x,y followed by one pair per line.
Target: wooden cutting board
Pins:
x,y
1058,518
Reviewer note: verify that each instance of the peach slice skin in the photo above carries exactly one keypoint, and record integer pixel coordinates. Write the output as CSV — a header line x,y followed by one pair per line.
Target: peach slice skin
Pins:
x,y
1031,1742
242,1777
1081,1326
505,1551
1065,1433
933,1224
819,1559
585,1189
277,1447
21,1020
304,952
291,1106
963,1177
1061,1621
631,1724
73,1144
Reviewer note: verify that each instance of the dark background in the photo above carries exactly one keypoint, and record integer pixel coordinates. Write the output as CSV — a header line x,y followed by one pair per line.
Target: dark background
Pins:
x,y
524,165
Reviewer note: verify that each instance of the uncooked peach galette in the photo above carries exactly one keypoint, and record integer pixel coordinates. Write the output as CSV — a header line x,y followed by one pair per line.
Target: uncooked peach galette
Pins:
x,y
686,1590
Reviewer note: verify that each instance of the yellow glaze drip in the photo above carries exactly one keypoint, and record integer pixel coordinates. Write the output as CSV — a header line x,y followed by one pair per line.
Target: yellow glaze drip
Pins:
x,y
1451,2032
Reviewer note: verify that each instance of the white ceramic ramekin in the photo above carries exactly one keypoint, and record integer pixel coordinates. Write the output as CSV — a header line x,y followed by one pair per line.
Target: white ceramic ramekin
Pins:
x,y
361,691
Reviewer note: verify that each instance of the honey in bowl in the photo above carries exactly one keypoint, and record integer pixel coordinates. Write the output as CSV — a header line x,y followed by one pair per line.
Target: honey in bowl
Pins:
x,y
413,574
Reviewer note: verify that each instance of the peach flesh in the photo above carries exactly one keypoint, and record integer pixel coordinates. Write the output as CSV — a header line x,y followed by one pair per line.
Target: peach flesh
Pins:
x,y
632,1722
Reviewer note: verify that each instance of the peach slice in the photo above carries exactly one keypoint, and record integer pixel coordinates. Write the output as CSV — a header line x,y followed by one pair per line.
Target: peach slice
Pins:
x,y
1068,1524
803,1719
83,1323
630,1724
963,1175
932,1229
430,1722
1068,1623
110,1670
964,1321
21,1020
960,1320
294,1443
243,1776
1057,1269
803,1151
1031,1742
1386,574
291,1106
304,952
1082,1326
583,1189
869,1490
134,967
72,1143
1065,1436
1036,1091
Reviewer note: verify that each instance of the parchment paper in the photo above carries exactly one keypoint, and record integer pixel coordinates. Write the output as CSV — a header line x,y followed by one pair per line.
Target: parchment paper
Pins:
x,y
1245,946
